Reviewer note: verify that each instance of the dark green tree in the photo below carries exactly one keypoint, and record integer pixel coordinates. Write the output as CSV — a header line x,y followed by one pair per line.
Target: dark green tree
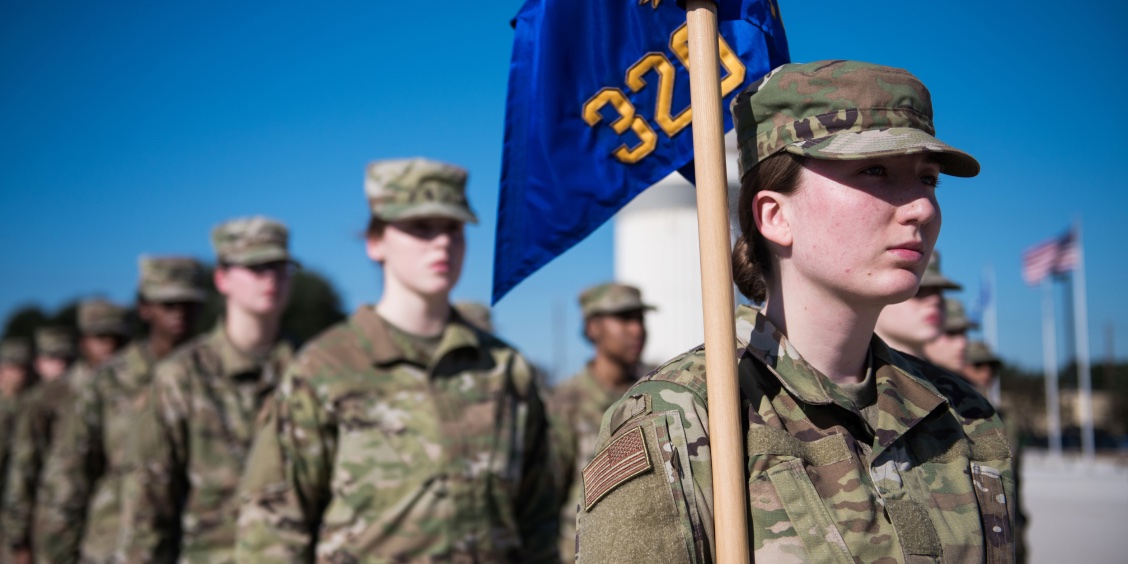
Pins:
x,y
23,321
314,306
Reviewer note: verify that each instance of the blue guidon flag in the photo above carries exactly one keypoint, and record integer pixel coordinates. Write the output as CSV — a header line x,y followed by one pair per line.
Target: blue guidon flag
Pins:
x,y
598,110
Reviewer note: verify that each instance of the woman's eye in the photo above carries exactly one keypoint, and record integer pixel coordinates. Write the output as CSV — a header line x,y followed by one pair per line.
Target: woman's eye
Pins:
x,y
930,180
875,170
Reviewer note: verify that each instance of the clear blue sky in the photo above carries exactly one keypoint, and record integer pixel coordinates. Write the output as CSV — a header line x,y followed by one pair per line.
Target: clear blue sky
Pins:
x,y
131,127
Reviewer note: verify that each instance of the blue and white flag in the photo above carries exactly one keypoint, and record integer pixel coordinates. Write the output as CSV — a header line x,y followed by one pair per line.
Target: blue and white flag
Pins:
x,y
598,111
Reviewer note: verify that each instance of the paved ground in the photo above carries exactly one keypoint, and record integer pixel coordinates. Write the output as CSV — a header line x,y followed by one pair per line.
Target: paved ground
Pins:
x,y
1078,512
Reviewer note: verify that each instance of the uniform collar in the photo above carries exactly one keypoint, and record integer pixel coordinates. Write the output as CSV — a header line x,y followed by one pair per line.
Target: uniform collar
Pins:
x,y
904,396
234,362
383,351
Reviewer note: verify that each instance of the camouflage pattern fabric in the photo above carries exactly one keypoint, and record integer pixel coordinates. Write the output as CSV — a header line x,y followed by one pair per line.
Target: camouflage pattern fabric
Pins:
x,y
955,318
10,408
922,475
933,278
44,405
15,350
611,298
373,452
249,241
55,341
399,189
575,409
78,511
193,437
840,110
101,317
171,279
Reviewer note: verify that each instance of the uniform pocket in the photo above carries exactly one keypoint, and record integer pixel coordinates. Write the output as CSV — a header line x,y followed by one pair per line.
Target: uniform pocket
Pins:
x,y
996,509
789,517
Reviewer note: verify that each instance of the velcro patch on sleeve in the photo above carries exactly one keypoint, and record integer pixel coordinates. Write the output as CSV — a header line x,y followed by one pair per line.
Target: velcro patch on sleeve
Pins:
x,y
623,459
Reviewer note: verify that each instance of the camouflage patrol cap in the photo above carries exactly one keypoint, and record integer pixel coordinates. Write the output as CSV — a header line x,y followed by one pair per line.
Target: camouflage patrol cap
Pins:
x,y
409,188
840,110
172,279
611,297
476,314
932,277
955,319
100,317
15,350
248,241
979,353
54,341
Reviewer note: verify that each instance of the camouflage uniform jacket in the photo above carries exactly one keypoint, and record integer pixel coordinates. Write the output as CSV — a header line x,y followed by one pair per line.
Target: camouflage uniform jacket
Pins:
x,y
9,414
575,408
374,453
922,475
34,432
191,444
79,507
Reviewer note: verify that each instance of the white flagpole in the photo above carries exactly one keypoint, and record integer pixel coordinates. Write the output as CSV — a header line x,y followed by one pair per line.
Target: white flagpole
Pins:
x,y
1049,360
1081,334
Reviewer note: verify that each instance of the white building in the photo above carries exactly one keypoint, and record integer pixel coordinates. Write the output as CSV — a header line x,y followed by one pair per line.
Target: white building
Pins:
x,y
656,249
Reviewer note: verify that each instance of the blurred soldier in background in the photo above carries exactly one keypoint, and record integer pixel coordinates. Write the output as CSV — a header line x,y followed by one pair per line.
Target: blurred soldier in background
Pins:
x,y
180,502
79,514
908,325
981,370
614,325
54,354
949,348
15,377
404,433
477,314
103,329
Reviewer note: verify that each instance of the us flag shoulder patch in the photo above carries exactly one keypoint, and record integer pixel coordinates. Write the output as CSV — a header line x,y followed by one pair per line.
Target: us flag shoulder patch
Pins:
x,y
623,459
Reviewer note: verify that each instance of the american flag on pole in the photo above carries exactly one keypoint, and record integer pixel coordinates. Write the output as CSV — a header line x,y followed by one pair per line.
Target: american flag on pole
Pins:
x,y
1056,256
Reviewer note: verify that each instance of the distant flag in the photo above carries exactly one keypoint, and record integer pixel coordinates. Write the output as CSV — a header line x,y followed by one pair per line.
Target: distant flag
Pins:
x,y
598,110
1056,256
983,300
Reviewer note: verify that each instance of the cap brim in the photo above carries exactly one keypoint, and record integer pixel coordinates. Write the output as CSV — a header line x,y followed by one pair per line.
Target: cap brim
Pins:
x,y
261,257
938,281
167,295
891,142
433,209
612,311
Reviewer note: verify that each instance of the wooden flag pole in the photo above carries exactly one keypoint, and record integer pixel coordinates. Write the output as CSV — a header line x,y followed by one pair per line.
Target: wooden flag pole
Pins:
x,y
726,444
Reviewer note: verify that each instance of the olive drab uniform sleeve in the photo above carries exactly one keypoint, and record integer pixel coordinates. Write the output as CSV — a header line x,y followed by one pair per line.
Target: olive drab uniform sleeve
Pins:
x,y
921,474
374,451
576,408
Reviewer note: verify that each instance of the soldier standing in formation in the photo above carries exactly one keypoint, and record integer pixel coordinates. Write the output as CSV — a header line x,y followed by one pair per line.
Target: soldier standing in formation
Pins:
x,y
909,325
949,348
854,451
15,377
614,325
204,407
80,514
54,355
404,433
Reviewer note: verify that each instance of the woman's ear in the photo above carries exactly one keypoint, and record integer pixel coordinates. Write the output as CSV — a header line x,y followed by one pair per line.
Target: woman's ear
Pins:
x,y
374,246
770,211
